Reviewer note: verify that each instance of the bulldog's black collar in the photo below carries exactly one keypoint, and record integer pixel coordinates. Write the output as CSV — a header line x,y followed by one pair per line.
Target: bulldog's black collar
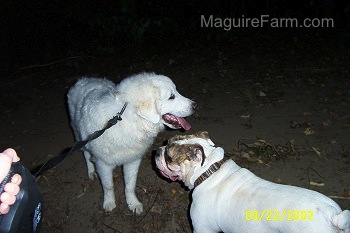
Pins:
x,y
211,170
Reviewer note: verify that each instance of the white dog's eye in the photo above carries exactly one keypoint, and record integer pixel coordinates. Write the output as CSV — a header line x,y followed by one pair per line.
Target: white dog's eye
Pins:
x,y
172,96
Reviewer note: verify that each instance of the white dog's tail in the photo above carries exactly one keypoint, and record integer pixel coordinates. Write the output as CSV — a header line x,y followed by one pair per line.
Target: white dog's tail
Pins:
x,y
342,221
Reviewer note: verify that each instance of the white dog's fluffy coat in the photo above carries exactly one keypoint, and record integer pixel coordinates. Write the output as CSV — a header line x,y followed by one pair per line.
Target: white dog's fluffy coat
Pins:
x,y
152,103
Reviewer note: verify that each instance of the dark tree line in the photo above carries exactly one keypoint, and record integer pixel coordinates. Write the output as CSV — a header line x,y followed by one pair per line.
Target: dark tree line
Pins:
x,y
43,29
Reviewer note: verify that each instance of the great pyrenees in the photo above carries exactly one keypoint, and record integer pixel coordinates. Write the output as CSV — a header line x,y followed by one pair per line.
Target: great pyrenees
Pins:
x,y
152,103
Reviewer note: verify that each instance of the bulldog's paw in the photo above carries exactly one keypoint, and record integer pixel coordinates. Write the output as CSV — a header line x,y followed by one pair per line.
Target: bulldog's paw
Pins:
x,y
136,207
109,205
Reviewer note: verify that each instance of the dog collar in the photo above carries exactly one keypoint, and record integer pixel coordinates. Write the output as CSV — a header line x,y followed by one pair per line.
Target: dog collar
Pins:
x,y
211,170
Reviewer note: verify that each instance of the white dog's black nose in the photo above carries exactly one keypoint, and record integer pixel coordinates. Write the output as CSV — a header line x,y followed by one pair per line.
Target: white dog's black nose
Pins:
x,y
194,105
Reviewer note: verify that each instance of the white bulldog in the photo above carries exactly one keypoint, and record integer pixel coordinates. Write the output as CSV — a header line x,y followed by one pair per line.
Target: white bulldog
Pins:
x,y
230,199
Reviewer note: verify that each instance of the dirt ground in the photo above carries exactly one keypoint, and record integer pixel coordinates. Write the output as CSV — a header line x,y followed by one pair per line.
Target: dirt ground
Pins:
x,y
279,106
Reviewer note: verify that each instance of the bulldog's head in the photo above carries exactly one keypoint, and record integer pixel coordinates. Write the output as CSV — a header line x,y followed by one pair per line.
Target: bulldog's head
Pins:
x,y
186,157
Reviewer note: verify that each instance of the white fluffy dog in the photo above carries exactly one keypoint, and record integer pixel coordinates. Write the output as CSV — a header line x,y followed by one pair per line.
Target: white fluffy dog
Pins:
x,y
153,102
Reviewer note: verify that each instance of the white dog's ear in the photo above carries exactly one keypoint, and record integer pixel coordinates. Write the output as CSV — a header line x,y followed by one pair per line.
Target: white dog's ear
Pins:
x,y
147,108
148,111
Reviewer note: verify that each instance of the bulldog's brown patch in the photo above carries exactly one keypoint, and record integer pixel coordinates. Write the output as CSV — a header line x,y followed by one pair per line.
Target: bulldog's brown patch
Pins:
x,y
200,134
176,154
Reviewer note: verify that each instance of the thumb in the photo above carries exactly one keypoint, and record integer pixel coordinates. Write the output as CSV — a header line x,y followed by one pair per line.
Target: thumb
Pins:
x,y
6,159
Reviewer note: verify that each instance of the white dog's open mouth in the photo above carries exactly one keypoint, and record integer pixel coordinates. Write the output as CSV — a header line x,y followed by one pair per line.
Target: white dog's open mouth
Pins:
x,y
176,122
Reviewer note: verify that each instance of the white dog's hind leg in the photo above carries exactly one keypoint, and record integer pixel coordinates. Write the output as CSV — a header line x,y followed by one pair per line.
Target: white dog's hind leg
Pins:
x,y
130,177
105,173
90,166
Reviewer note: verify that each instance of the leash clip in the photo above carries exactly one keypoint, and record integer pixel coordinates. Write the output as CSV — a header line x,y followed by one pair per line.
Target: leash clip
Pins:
x,y
118,117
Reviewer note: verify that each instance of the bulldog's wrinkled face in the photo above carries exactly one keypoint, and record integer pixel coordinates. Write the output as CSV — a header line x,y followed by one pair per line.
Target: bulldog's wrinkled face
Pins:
x,y
182,154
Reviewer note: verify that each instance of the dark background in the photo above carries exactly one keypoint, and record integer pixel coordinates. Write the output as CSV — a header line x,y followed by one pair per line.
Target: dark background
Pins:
x,y
35,32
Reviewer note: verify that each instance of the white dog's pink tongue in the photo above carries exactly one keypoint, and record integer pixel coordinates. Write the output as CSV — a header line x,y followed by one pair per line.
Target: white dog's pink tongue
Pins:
x,y
176,121
184,124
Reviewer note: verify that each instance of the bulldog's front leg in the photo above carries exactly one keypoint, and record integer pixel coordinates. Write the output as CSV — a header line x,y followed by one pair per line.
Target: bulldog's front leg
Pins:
x,y
202,229
202,217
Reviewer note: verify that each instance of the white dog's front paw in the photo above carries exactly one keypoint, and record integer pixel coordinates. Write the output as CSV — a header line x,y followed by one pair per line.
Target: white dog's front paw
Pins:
x,y
92,175
133,203
109,205
136,207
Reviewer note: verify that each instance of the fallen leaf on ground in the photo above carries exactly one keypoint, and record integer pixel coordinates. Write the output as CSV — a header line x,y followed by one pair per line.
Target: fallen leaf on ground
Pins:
x,y
317,151
82,193
307,113
318,184
245,116
262,94
309,131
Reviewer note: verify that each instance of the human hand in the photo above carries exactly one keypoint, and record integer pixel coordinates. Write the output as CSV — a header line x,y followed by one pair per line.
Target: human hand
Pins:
x,y
11,189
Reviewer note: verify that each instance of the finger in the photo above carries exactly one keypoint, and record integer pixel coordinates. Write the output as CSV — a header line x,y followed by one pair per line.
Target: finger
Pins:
x,y
11,152
5,162
16,179
4,208
11,188
7,198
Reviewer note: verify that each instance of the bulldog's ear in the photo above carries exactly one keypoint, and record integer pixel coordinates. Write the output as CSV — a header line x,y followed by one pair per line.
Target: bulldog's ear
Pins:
x,y
198,154
147,108
202,134
205,135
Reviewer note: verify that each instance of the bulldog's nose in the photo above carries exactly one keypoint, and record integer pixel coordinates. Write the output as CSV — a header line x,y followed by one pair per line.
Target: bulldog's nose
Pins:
x,y
158,151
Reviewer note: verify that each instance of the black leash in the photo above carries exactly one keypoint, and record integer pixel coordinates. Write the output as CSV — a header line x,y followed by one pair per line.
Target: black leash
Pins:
x,y
78,145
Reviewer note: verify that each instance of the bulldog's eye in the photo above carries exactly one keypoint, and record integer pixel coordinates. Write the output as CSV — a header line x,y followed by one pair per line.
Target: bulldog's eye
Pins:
x,y
172,96
167,158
